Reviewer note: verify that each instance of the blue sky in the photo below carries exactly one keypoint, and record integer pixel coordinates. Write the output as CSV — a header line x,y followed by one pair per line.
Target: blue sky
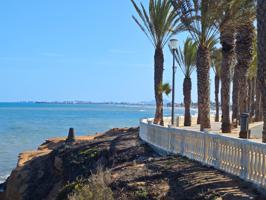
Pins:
x,y
77,50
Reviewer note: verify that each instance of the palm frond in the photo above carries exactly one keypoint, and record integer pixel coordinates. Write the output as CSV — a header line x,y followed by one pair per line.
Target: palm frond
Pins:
x,y
159,22
186,57
199,19
216,61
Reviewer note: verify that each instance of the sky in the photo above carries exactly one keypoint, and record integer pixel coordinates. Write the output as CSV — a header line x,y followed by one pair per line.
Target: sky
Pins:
x,y
56,50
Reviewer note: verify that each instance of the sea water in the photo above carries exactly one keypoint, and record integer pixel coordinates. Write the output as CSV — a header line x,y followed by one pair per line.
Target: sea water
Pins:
x,y
24,126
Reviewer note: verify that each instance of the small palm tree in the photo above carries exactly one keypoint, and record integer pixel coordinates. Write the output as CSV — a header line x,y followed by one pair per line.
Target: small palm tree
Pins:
x,y
261,23
198,19
186,60
216,65
158,24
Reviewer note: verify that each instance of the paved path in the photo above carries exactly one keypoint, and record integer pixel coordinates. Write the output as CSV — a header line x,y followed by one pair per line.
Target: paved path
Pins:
x,y
256,129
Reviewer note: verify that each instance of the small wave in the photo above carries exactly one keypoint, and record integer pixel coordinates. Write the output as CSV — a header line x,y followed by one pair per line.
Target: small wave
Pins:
x,y
3,178
141,110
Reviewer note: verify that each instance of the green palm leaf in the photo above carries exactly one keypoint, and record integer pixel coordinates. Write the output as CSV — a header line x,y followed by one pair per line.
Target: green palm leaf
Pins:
x,y
186,57
159,23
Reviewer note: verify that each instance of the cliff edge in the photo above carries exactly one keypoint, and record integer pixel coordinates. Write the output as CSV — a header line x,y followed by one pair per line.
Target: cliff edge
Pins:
x,y
116,165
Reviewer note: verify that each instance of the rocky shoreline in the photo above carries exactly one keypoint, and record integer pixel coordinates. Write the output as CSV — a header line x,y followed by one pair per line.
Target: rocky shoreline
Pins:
x,y
116,165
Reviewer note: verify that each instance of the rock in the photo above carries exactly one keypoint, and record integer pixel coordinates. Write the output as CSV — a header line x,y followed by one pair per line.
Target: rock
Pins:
x,y
58,164
71,136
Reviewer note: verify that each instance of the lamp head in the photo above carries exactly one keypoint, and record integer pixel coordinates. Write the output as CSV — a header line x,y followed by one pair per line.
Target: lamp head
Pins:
x,y
173,44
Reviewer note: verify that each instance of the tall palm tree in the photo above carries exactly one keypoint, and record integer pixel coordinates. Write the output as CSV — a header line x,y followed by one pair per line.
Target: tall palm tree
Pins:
x,y
256,84
261,24
229,16
158,24
186,59
235,97
197,18
216,65
258,103
227,40
244,52
252,75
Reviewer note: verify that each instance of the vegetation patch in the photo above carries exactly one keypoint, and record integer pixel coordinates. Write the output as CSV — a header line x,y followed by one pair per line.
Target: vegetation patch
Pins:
x,y
96,187
90,153
69,188
141,194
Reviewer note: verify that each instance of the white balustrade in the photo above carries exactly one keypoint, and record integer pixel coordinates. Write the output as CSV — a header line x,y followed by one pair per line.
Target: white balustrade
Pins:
x,y
240,157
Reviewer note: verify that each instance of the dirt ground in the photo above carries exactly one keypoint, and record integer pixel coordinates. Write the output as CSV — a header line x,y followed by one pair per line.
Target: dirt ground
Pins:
x,y
173,177
136,172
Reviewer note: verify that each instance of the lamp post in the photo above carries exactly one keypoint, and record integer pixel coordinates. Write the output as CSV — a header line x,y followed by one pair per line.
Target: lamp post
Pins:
x,y
173,47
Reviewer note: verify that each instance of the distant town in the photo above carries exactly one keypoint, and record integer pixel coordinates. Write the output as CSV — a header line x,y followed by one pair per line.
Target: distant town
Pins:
x,y
151,103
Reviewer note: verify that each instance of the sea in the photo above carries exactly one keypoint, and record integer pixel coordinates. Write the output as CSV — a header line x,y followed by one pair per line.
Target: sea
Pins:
x,y
24,126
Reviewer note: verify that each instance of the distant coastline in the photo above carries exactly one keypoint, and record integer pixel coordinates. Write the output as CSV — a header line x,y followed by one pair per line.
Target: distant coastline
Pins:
x,y
144,103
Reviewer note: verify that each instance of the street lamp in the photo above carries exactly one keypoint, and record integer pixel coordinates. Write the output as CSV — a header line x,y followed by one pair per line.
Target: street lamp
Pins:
x,y
173,47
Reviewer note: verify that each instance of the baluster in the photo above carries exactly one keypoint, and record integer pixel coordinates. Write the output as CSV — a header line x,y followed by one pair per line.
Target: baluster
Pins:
x,y
263,167
260,180
238,159
226,156
231,161
257,162
222,155
251,162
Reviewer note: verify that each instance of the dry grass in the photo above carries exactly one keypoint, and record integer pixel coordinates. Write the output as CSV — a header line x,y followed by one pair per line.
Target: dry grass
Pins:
x,y
96,187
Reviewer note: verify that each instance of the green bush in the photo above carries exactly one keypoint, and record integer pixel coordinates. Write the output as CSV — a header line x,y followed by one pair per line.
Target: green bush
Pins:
x,y
95,188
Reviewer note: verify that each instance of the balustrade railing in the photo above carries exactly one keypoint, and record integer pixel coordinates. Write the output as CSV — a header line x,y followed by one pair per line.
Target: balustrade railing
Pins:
x,y
244,158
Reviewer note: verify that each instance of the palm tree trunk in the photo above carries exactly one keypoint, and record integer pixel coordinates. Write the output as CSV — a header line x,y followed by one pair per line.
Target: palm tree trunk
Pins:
x,y
158,81
244,50
199,112
249,95
198,119
228,45
187,100
203,70
235,97
252,105
261,23
258,103
217,87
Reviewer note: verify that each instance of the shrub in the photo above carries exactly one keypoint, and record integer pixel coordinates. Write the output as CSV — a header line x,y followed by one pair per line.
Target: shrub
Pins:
x,y
96,187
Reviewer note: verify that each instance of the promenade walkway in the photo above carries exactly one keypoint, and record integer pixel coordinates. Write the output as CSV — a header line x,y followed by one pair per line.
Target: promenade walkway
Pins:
x,y
256,129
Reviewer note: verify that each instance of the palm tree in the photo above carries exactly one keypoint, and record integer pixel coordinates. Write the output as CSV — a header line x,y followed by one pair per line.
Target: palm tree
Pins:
x,y
229,16
235,97
252,74
261,24
227,40
244,53
258,103
158,24
197,18
216,65
186,59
